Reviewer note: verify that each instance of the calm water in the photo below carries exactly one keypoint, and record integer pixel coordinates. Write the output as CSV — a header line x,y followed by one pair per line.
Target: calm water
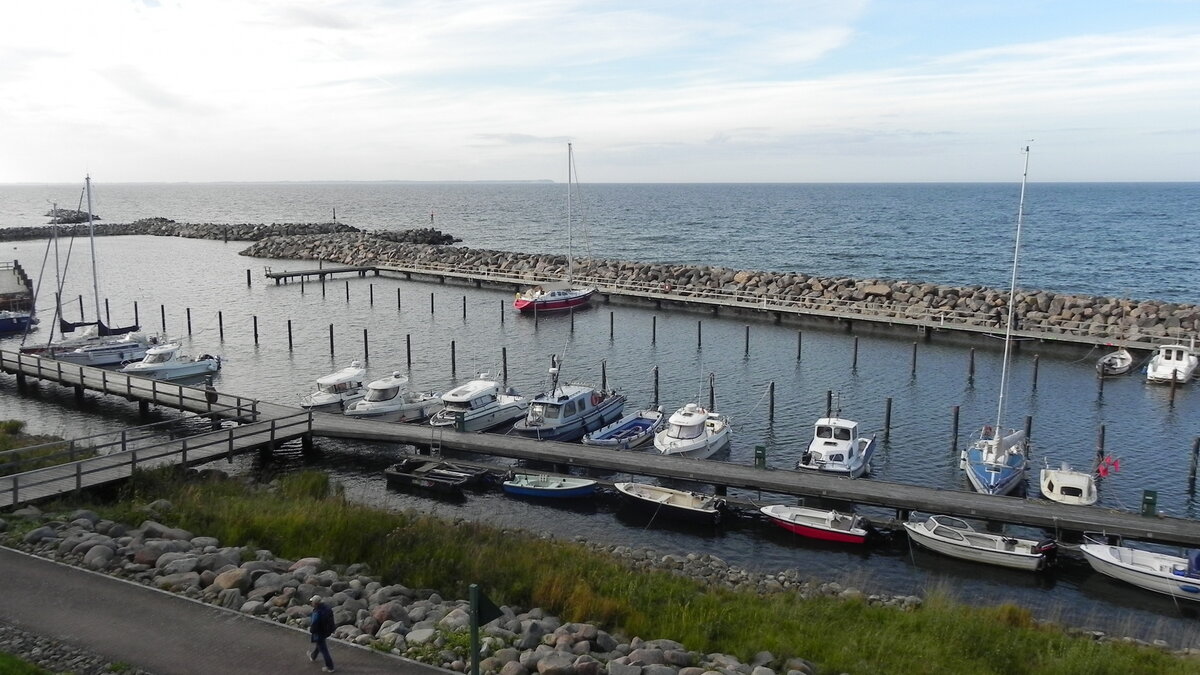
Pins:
x,y
1150,435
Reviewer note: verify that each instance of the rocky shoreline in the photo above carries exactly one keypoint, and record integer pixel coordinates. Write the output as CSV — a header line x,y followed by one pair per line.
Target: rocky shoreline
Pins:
x,y
414,623
1101,317
165,227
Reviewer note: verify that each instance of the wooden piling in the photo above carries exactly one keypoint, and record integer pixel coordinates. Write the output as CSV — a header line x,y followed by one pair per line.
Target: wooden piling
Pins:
x,y
1195,460
799,343
81,317
712,391
656,386
971,365
1028,433
1036,362
653,328
1099,385
289,335
431,303
408,350
366,347
699,334
829,403
189,320
464,308
371,294
771,402
1099,445
611,320
954,429
347,291
221,325
912,372
603,375
854,359
746,351
247,278
501,312
331,339
107,317
887,418
397,299
135,312
322,285
504,364
255,317
453,364
162,313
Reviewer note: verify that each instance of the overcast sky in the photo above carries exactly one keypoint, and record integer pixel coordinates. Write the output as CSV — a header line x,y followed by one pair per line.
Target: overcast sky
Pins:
x,y
648,91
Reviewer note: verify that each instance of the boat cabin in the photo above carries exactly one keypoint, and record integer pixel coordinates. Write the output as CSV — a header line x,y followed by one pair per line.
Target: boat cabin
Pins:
x,y
160,354
474,395
835,441
686,423
564,403
346,379
386,389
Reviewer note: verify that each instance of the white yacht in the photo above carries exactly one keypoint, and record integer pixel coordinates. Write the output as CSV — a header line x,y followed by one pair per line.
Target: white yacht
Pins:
x,y
838,448
1068,486
693,432
337,390
390,400
93,349
166,362
480,404
1172,362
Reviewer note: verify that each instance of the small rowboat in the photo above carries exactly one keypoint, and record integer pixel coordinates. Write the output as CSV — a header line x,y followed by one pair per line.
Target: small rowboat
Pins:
x,y
1158,572
658,500
1115,363
433,475
818,523
545,485
629,431
954,537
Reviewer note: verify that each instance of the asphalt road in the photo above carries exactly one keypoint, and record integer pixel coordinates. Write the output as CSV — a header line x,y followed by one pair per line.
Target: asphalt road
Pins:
x,y
161,632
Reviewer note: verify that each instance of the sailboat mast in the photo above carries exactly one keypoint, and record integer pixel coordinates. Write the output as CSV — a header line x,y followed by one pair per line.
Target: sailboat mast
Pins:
x,y
1012,301
570,247
92,240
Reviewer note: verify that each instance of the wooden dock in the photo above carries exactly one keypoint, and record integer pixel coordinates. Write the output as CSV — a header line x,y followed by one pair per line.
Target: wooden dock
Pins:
x,y
321,273
915,320
265,423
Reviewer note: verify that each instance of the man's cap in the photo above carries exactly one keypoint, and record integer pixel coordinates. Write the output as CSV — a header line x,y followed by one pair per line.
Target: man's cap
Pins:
x,y
315,598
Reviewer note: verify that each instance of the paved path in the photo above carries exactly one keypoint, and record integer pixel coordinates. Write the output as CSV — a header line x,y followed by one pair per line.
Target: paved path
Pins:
x,y
161,632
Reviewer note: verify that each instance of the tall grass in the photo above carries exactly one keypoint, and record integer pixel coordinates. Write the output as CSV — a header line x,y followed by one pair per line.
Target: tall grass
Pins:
x,y
303,515
12,438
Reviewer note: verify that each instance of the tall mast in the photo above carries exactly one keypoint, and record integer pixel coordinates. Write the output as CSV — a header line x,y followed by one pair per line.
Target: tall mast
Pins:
x,y
1012,300
570,253
92,241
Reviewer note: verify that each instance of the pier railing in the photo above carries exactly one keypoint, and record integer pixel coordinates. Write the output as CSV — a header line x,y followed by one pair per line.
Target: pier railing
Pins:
x,y
887,311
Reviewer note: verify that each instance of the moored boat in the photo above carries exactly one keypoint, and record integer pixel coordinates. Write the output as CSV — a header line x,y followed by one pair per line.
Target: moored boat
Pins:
x,y
568,411
1067,485
389,399
338,389
954,537
823,524
15,321
434,475
681,504
838,448
693,432
1115,363
1178,577
628,432
546,485
479,405
1172,363
167,362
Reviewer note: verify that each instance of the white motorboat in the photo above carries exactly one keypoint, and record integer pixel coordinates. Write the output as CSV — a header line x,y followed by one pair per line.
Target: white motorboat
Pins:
x,y
954,537
681,504
1068,486
1172,363
96,350
693,432
390,400
337,390
166,362
1167,574
1115,363
837,448
479,405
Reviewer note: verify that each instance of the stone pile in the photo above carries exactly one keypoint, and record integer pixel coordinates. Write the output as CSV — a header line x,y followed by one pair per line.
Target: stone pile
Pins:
x,y
165,227
1103,317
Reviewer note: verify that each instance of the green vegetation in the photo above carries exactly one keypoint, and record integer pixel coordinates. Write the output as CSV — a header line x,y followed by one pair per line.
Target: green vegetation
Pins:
x,y
304,515
11,665
50,451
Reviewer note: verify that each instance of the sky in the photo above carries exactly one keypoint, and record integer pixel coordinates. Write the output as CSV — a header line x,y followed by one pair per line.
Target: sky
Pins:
x,y
647,91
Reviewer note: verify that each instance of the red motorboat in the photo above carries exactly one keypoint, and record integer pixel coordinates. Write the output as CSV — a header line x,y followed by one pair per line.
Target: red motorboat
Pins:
x,y
818,524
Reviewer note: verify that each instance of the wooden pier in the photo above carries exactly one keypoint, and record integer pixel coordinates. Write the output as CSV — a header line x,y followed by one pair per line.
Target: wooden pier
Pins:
x,y
264,424
320,273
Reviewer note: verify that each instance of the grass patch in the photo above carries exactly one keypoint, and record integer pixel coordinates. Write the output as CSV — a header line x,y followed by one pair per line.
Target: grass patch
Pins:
x,y
11,665
303,515
49,450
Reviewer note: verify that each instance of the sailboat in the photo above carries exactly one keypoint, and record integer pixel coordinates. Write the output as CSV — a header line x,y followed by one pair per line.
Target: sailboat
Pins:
x,y
100,344
996,462
558,295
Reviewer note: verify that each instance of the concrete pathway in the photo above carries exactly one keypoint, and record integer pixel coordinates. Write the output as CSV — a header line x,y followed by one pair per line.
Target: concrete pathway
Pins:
x,y
161,632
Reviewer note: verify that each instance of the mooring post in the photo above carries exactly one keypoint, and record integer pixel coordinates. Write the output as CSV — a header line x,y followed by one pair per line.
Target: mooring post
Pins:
x,y
408,350
501,312
255,317
504,364
655,386
699,333
162,313
135,313
887,418
366,347
1099,445
347,291
954,429
331,339
1099,385
1174,383
913,369
971,365
247,277
189,320
771,402
1195,459
610,325
1036,361
453,365
854,359
107,317
746,351
572,313
603,375
221,325
81,317
712,391
1028,432
289,335
322,285
397,299
799,343
301,284
431,302
653,329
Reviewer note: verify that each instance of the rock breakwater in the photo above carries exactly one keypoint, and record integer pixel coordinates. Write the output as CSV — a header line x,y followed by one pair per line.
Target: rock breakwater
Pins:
x,y
1101,318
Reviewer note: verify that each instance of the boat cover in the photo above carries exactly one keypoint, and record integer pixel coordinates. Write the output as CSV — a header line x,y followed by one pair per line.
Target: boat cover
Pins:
x,y
101,329
1194,563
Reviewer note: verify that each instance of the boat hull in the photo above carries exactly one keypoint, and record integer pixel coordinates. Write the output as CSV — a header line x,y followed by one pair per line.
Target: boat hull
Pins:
x,y
481,420
675,504
552,487
204,367
409,412
797,520
627,432
528,306
1017,555
15,322
856,469
607,412
433,475
1143,569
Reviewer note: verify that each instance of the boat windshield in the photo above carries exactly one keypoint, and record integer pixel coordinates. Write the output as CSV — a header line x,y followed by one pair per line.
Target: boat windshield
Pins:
x,y
685,431
337,388
382,394
547,411
457,407
158,358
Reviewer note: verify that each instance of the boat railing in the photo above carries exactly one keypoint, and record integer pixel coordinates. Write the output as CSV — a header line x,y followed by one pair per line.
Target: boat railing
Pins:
x,y
876,308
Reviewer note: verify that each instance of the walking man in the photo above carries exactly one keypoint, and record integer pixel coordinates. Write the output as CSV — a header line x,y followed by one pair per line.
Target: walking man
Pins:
x,y
320,627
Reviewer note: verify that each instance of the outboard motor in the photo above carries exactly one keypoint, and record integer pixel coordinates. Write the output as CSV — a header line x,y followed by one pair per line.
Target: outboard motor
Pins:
x,y
1049,548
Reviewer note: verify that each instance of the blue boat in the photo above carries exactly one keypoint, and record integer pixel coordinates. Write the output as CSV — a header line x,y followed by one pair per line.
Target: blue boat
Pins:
x,y
995,464
545,485
15,322
628,432
568,411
